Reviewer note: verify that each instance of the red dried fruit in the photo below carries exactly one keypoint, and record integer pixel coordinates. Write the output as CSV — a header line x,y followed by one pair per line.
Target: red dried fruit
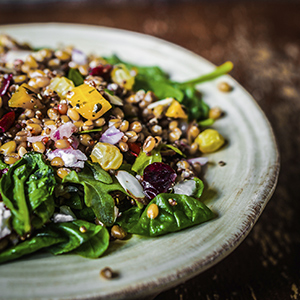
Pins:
x,y
158,178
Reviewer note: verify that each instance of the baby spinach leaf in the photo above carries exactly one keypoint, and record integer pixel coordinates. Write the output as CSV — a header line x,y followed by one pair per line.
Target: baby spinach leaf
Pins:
x,y
175,149
199,187
99,173
144,159
186,213
154,79
61,238
162,89
40,241
90,242
96,194
27,190
75,76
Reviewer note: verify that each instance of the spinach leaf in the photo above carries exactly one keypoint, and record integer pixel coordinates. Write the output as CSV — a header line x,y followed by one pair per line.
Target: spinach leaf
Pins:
x,y
40,241
90,242
75,76
175,149
154,79
199,187
59,238
99,173
27,190
186,213
96,194
144,159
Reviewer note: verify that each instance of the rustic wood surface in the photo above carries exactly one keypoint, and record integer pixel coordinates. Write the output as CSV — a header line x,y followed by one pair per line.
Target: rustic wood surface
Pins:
x,y
262,39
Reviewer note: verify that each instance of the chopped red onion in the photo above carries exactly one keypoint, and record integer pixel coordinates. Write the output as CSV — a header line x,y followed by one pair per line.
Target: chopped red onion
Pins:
x,y
200,160
79,57
37,138
112,135
185,188
65,130
71,157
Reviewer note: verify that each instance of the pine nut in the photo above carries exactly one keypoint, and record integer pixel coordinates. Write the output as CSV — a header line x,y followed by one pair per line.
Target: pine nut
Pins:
x,y
8,148
57,162
62,144
149,144
73,114
152,211
38,147
62,172
123,146
136,126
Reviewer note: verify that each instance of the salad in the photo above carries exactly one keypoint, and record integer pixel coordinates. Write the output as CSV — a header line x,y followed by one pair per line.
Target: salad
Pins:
x,y
94,149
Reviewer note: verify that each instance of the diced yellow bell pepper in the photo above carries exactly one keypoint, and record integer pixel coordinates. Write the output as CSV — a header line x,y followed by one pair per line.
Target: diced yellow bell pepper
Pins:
x,y
61,85
88,102
175,111
121,75
25,97
209,140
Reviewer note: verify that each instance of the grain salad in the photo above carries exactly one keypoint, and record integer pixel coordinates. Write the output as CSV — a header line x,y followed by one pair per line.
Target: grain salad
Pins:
x,y
93,148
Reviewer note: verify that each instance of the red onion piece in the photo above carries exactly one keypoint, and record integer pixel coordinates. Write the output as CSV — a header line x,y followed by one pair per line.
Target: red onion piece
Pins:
x,y
79,57
112,135
65,130
6,82
200,160
71,157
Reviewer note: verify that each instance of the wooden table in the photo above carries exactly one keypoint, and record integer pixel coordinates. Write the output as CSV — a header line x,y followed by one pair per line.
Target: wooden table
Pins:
x,y
263,41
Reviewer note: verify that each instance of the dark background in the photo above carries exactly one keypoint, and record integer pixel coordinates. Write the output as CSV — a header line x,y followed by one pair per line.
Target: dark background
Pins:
x,y
262,39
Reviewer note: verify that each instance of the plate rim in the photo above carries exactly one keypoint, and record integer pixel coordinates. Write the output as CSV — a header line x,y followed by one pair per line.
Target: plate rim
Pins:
x,y
203,263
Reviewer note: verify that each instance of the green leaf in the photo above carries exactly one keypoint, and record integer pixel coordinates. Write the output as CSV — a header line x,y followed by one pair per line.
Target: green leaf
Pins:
x,y
186,213
99,173
199,187
39,241
144,159
175,149
97,194
27,190
162,89
90,242
75,76
219,71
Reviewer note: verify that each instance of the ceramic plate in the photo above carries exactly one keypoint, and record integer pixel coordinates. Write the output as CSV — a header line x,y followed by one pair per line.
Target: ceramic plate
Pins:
x,y
237,192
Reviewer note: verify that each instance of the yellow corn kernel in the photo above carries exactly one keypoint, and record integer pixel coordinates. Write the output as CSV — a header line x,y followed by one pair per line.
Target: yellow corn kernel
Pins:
x,y
175,111
61,85
25,97
88,102
209,140
108,156
121,75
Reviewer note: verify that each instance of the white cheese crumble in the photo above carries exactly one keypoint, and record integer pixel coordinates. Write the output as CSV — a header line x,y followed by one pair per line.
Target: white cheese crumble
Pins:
x,y
5,215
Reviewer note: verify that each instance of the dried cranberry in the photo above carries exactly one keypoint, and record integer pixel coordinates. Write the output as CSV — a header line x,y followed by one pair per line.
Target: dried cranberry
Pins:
x,y
102,71
135,148
158,178
7,121
7,78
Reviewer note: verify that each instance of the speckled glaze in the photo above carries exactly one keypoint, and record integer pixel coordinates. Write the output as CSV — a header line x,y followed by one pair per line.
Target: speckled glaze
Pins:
x,y
236,192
